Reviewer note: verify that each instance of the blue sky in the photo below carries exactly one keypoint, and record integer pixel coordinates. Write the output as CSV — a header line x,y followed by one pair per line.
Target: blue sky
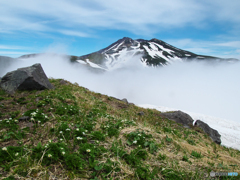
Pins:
x,y
79,27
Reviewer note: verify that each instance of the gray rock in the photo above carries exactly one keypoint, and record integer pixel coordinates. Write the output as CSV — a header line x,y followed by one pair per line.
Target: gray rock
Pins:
x,y
28,78
125,100
63,82
179,117
141,113
213,134
24,118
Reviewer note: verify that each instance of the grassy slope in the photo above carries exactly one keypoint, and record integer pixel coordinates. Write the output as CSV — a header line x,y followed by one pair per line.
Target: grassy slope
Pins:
x,y
78,134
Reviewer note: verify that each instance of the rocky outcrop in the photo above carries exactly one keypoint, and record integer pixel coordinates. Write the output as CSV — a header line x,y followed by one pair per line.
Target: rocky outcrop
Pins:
x,y
28,78
179,117
213,134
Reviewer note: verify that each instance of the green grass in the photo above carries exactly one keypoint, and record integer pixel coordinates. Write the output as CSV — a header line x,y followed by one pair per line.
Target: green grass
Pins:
x,y
73,133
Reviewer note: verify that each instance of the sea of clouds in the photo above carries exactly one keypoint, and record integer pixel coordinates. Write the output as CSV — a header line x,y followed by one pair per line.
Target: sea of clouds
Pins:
x,y
212,89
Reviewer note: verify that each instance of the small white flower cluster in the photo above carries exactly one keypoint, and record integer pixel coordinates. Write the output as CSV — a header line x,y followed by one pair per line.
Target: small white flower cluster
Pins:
x,y
79,138
33,114
134,142
106,126
4,149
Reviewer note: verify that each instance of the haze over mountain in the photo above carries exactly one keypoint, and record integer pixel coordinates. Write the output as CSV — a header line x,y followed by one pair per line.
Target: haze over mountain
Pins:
x,y
152,53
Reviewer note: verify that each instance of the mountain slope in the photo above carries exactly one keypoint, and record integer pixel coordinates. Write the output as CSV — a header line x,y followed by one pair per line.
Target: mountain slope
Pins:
x,y
152,52
72,133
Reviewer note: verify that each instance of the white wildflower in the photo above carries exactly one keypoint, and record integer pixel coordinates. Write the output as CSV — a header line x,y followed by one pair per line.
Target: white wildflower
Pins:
x,y
86,130
4,149
134,142
63,153
46,117
49,155
77,129
83,133
88,150
79,138
16,121
68,129
61,139
16,154
33,113
60,132
139,134
10,118
50,140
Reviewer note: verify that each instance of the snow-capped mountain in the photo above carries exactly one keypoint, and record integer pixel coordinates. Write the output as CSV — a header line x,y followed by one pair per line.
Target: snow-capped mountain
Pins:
x,y
152,52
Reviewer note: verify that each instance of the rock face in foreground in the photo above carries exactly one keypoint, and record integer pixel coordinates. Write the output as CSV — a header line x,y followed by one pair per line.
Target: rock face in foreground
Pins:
x,y
28,78
179,117
213,134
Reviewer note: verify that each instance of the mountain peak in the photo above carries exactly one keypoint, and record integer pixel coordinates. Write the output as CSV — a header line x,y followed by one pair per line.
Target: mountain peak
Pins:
x,y
152,52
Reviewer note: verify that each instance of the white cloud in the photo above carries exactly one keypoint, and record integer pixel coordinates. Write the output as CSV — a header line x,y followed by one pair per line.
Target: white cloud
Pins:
x,y
74,33
136,16
11,47
13,53
222,49
234,44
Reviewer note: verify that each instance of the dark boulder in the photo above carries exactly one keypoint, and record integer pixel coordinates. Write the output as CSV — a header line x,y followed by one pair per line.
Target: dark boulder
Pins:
x,y
28,78
213,134
140,113
179,117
